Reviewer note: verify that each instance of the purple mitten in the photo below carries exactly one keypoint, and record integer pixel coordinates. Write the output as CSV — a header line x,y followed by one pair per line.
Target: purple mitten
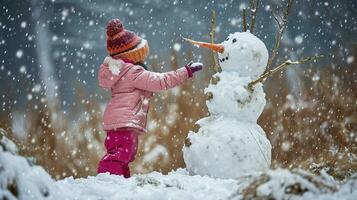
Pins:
x,y
193,67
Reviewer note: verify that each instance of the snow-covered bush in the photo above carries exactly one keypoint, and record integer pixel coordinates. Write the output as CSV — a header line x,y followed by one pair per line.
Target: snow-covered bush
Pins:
x,y
21,179
294,184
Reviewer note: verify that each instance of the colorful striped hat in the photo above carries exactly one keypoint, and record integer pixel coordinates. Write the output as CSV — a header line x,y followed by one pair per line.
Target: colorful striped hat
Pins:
x,y
122,43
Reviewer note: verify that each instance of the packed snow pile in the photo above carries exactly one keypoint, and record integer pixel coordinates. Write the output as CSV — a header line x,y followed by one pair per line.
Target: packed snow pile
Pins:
x,y
229,143
19,178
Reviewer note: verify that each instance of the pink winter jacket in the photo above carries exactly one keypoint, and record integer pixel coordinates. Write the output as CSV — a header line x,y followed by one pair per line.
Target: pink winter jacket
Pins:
x,y
131,87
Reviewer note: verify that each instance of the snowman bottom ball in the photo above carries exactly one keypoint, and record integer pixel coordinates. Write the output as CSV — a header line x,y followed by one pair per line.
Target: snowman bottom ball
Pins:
x,y
227,148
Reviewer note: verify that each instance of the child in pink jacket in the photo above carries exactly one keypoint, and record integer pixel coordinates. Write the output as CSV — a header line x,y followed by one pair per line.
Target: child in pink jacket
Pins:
x,y
131,85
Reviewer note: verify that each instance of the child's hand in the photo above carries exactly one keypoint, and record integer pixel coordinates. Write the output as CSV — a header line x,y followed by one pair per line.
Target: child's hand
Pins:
x,y
194,67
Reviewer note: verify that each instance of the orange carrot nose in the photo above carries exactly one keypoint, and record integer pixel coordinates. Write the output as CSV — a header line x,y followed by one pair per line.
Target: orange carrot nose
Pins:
x,y
214,47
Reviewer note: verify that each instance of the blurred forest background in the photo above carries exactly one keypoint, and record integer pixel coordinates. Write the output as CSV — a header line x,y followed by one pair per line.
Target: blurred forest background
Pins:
x,y
52,106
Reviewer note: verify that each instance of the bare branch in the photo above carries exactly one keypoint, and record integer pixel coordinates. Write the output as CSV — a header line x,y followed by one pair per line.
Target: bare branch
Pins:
x,y
244,20
216,66
281,28
251,4
281,67
253,8
277,20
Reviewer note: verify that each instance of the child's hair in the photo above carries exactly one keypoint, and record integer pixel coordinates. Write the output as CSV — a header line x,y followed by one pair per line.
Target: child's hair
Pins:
x,y
143,65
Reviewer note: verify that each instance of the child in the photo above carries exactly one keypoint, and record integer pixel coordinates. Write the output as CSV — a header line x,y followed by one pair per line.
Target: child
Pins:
x,y
131,85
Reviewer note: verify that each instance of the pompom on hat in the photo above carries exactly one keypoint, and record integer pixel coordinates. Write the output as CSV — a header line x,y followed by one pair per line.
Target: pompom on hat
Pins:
x,y
122,43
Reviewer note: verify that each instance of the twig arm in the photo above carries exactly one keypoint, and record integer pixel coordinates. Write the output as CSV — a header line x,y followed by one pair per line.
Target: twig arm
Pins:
x,y
281,67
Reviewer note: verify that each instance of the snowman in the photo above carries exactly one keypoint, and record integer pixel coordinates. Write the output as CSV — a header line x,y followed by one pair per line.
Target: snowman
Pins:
x,y
229,143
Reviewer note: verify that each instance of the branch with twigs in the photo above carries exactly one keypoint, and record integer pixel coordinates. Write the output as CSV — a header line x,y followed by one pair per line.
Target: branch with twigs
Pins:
x,y
279,68
216,66
244,13
282,22
253,9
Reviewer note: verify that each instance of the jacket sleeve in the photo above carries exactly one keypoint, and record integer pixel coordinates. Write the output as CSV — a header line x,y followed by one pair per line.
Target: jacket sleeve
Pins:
x,y
155,82
105,77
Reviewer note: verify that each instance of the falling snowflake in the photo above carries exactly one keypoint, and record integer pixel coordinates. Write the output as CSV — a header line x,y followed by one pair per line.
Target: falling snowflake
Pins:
x,y
177,47
19,53
23,24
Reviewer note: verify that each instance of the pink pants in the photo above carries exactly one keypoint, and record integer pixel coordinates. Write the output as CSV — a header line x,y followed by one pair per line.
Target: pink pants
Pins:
x,y
121,148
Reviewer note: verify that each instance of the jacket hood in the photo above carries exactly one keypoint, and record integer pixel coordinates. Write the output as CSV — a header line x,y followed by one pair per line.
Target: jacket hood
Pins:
x,y
115,65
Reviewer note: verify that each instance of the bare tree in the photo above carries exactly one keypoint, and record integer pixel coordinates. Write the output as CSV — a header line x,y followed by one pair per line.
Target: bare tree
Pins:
x,y
282,22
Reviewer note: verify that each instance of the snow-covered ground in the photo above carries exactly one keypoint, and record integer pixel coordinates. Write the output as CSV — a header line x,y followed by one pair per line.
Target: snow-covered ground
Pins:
x,y
175,185
21,179
282,184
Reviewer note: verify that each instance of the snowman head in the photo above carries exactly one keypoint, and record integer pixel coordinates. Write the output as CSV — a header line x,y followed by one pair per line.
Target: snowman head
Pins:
x,y
241,52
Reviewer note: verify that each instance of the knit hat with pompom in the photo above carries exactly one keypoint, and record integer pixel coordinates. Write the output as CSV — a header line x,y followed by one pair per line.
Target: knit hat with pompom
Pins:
x,y
122,43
